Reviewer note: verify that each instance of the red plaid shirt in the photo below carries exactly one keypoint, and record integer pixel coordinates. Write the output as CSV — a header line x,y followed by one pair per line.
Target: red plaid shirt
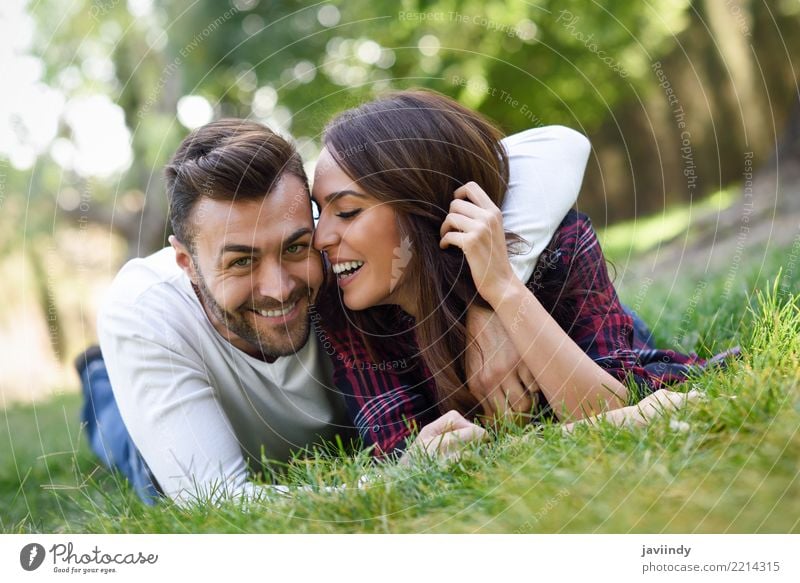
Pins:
x,y
387,396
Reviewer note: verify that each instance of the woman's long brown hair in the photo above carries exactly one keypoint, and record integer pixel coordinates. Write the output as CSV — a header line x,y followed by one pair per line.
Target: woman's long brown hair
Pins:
x,y
413,149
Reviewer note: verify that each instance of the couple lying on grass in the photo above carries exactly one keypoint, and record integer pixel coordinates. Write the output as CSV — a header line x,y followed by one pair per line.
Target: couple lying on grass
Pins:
x,y
423,326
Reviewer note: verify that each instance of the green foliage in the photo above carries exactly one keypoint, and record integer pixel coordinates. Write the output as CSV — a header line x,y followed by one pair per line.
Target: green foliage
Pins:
x,y
522,63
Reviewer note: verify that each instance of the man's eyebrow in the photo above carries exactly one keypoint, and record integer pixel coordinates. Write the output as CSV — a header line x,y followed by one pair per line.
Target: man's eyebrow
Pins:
x,y
338,194
236,248
302,231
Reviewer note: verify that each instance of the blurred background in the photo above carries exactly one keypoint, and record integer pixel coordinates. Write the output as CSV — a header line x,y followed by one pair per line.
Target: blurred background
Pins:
x,y
691,107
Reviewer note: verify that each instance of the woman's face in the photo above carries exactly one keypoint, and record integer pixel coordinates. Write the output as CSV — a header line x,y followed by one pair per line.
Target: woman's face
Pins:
x,y
360,236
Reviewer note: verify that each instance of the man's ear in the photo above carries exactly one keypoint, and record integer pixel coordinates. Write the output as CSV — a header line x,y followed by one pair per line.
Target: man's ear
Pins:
x,y
183,258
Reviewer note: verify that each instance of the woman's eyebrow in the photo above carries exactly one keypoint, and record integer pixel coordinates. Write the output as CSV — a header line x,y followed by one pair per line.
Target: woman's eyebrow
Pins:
x,y
340,193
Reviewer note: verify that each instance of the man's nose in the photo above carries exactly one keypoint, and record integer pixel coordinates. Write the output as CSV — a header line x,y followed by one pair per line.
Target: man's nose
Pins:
x,y
276,282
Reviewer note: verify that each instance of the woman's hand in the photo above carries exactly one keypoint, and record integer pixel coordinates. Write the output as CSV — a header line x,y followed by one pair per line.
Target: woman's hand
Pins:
x,y
475,225
444,438
496,375
661,402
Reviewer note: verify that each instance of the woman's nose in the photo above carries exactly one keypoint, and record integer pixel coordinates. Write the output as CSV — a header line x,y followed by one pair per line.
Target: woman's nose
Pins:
x,y
324,236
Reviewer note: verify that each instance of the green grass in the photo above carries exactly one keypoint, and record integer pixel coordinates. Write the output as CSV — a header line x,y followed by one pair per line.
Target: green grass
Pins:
x,y
733,466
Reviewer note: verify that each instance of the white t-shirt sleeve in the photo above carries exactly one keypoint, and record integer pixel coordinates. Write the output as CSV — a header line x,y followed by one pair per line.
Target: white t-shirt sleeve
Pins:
x,y
546,167
170,408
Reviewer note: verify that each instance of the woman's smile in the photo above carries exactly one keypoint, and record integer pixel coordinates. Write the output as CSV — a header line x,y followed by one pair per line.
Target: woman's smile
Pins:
x,y
346,271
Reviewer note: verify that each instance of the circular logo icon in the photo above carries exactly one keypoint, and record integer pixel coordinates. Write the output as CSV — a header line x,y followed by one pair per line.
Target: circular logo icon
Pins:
x,y
31,556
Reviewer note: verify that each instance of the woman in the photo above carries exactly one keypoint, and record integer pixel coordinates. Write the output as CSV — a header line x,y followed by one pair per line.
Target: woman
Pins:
x,y
408,189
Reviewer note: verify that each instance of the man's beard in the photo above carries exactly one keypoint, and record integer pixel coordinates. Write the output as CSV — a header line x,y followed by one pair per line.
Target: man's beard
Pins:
x,y
288,340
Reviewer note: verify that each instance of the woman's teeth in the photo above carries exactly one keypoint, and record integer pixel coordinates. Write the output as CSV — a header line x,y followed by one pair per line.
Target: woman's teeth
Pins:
x,y
277,313
347,268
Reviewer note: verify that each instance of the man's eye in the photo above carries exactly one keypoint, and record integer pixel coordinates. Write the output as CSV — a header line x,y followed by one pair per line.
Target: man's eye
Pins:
x,y
348,214
243,262
294,249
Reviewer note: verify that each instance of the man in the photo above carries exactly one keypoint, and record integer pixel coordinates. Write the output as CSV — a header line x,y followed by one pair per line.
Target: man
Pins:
x,y
208,343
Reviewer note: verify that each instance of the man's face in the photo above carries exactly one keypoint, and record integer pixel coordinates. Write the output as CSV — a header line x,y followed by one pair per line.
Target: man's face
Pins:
x,y
254,268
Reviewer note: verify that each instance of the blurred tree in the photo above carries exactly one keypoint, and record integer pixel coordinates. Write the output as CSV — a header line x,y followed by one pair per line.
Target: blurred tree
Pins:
x,y
734,93
522,63
292,64
102,49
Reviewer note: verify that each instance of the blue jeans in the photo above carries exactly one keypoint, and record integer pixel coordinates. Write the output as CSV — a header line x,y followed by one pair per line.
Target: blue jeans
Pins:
x,y
108,437
641,332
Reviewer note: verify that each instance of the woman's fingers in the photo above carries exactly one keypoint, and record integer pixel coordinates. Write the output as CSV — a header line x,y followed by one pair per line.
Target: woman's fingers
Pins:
x,y
486,211
482,240
447,422
454,238
480,231
489,402
466,434
452,441
694,396
467,208
662,401
472,192
529,382
526,377
665,399
511,396
517,398
457,222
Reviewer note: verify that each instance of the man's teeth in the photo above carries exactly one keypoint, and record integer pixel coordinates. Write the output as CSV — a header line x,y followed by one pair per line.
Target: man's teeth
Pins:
x,y
277,313
340,268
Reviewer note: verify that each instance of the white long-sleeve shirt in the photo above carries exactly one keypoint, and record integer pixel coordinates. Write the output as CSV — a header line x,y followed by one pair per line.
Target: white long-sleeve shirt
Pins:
x,y
546,168
199,409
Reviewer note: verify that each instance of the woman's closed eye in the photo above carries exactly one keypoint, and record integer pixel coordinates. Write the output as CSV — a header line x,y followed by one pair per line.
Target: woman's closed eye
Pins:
x,y
348,214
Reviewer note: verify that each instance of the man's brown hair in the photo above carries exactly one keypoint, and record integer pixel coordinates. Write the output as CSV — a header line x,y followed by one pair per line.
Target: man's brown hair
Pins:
x,y
229,159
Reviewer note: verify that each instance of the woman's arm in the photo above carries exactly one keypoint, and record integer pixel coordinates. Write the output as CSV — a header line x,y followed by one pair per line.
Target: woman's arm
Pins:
x,y
546,166
574,385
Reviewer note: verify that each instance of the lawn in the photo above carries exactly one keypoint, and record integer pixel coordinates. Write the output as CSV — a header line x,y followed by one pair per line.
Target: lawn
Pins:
x,y
726,464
